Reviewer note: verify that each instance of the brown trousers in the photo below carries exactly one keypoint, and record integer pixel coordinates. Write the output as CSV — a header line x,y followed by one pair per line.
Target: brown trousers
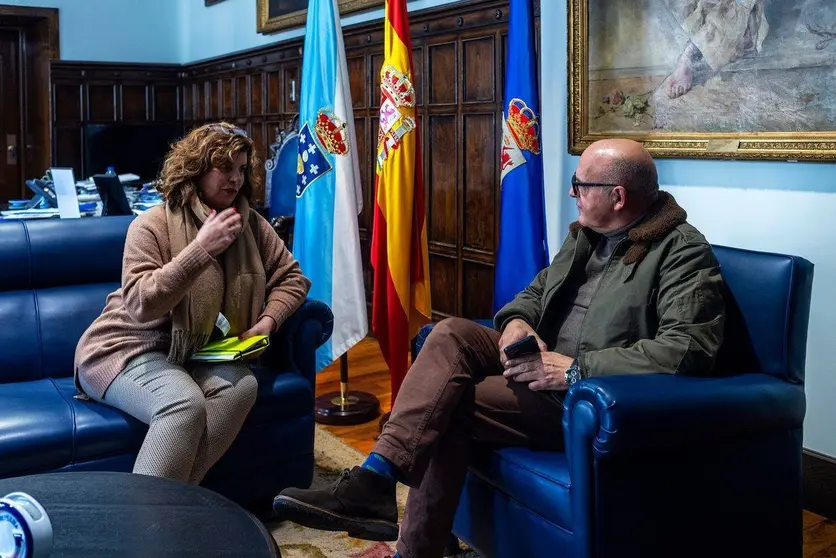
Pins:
x,y
455,394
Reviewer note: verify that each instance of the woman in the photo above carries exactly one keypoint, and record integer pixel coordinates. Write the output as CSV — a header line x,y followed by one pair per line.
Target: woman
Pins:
x,y
201,263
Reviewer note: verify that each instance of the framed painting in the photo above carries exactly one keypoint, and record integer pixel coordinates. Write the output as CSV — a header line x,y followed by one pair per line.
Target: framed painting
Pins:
x,y
721,79
276,15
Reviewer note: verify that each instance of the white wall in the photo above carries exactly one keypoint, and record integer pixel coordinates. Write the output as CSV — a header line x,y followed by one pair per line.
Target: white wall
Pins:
x,y
231,26
116,30
770,206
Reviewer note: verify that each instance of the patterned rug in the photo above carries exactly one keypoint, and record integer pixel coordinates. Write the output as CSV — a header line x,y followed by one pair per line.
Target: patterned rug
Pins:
x,y
332,456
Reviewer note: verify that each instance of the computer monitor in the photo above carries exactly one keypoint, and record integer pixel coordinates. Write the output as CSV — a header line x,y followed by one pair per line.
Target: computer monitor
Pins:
x,y
129,148
114,200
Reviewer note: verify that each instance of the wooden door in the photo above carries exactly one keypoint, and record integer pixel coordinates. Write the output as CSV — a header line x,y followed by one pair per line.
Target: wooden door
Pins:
x,y
11,180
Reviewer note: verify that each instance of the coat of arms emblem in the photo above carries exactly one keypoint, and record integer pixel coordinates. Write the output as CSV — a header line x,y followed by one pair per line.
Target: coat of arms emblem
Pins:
x,y
520,132
397,97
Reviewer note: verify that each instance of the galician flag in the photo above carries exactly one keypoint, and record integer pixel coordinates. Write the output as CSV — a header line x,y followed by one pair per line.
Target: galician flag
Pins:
x,y
328,197
522,249
401,298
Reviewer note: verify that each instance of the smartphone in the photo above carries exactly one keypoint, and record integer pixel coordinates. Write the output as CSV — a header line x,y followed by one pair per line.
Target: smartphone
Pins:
x,y
525,346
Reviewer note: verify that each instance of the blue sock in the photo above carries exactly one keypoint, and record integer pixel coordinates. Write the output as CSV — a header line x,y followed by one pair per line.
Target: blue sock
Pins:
x,y
382,466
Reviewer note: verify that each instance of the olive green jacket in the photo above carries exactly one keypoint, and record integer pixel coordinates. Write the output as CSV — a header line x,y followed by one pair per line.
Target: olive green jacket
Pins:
x,y
658,308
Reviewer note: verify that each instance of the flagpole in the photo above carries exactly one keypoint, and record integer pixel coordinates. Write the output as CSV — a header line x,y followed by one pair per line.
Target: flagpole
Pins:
x,y
344,407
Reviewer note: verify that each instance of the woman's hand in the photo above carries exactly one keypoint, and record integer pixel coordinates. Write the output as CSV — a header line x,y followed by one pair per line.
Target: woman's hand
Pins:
x,y
516,330
219,230
265,326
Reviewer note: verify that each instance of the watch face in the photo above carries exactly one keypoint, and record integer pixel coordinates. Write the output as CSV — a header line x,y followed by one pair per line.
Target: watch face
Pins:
x,y
12,536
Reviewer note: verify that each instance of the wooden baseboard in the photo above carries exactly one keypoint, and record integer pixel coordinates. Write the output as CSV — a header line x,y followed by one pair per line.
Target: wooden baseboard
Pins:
x,y
819,473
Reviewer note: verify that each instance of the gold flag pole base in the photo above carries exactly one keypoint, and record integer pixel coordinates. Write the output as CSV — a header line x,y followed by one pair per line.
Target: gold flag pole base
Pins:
x,y
345,407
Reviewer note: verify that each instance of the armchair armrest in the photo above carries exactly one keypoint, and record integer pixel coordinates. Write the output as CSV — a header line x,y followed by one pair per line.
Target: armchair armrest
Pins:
x,y
631,414
293,347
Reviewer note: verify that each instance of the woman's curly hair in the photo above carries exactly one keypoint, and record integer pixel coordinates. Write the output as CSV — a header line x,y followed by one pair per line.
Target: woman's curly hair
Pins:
x,y
204,148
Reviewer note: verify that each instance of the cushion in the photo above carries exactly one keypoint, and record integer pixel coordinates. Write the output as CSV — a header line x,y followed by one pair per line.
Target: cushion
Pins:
x,y
100,430
538,480
20,354
77,251
14,252
280,395
36,428
65,313
767,309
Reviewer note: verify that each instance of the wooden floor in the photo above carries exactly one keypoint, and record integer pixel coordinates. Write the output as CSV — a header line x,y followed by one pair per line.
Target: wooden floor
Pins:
x,y
367,372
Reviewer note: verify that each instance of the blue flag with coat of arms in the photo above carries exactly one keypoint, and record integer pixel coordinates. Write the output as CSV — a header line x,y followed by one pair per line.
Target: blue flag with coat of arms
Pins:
x,y
523,249
326,239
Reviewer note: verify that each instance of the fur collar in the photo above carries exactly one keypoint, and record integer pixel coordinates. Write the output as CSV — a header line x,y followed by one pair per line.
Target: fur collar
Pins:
x,y
662,217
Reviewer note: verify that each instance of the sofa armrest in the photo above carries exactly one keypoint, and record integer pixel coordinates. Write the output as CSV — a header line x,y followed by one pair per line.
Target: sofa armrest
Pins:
x,y
293,347
631,414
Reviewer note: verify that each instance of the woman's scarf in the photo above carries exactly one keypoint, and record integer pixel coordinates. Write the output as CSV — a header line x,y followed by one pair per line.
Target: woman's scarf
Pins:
x,y
234,283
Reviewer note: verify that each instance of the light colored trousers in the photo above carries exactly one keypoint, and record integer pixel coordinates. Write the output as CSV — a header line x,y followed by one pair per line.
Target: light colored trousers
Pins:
x,y
193,415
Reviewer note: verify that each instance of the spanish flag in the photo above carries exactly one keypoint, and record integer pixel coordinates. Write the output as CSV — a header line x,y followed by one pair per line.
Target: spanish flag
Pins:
x,y
401,298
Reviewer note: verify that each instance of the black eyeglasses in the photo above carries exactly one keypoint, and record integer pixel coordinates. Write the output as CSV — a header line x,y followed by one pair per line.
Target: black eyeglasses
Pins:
x,y
234,131
578,184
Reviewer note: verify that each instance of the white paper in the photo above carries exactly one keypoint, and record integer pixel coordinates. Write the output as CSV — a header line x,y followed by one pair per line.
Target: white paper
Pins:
x,y
64,182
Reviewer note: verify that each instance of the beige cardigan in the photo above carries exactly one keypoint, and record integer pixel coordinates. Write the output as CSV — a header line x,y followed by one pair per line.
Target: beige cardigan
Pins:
x,y
136,318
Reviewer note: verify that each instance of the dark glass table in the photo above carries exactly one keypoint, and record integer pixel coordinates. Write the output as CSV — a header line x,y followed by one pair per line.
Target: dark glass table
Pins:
x,y
96,514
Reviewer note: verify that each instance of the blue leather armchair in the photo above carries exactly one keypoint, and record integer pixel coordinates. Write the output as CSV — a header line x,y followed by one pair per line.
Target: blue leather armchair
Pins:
x,y
54,278
663,465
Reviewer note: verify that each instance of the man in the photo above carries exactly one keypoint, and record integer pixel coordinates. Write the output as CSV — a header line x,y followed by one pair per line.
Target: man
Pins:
x,y
720,31
633,290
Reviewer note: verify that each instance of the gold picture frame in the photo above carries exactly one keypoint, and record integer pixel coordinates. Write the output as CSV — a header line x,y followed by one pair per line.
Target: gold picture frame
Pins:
x,y
290,18
612,96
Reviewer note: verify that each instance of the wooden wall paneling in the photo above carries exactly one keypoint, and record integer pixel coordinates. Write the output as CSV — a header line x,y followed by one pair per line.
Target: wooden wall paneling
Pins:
x,y
194,102
227,98
444,270
358,80
134,102
242,96
477,286
274,92
418,63
442,186
257,94
66,102
479,85
93,93
100,100
480,182
444,76
214,101
66,147
201,100
166,102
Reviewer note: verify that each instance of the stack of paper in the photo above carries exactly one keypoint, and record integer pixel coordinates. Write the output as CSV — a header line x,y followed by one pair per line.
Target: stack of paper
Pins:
x,y
230,349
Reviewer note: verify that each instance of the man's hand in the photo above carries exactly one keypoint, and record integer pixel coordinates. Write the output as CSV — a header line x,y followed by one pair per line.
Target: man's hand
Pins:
x,y
545,371
514,331
265,326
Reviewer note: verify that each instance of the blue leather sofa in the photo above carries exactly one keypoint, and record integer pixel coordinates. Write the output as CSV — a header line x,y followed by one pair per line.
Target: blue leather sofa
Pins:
x,y
668,466
54,278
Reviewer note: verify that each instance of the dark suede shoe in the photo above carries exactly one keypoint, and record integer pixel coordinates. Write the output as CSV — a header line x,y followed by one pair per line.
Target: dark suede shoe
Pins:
x,y
360,502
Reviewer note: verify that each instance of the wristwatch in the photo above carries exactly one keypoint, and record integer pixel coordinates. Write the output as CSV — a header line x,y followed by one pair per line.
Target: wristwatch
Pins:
x,y
573,373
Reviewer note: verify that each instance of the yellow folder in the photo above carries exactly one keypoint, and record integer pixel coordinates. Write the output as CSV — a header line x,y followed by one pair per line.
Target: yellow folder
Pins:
x,y
230,349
